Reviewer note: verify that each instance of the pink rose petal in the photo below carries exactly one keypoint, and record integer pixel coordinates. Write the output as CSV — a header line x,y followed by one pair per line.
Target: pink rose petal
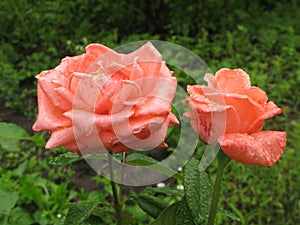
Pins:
x,y
229,80
261,148
247,109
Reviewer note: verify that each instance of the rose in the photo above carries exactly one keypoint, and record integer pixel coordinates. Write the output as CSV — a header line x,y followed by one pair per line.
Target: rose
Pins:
x,y
105,101
245,108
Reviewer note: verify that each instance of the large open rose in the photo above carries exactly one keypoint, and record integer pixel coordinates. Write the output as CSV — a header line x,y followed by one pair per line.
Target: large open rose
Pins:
x,y
245,107
105,101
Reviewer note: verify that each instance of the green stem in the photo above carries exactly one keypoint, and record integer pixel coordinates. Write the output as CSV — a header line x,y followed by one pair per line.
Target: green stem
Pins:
x,y
117,205
223,161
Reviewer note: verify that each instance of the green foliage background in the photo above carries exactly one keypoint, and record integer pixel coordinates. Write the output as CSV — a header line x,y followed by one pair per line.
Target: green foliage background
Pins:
x,y
261,37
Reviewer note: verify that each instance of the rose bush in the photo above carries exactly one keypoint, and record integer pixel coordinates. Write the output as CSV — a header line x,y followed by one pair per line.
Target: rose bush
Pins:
x,y
230,97
103,100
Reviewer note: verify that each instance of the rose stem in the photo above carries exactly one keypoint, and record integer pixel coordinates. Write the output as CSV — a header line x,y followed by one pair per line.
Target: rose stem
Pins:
x,y
223,161
122,174
117,204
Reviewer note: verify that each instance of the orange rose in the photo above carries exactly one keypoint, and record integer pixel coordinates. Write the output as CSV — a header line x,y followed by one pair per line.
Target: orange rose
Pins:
x,y
244,109
103,100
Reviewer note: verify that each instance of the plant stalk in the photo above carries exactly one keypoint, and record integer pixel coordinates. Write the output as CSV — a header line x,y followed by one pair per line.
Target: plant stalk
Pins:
x,y
223,161
117,204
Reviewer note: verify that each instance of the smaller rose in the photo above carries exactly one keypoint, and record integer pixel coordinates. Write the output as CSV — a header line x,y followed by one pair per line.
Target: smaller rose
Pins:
x,y
232,112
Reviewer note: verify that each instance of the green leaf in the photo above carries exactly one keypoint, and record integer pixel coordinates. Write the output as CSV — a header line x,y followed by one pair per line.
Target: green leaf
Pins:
x,y
198,190
20,216
151,205
40,218
183,214
69,157
9,145
167,191
93,220
10,131
32,188
65,159
20,169
8,201
139,159
13,132
80,212
167,216
103,211
224,212
37,139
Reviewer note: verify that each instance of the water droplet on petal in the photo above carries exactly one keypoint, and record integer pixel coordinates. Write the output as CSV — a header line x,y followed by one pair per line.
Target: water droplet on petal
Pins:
x,y
88,131
269,142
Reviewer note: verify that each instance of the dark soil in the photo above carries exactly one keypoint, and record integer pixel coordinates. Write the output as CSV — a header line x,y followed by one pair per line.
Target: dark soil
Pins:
x,y
83,172
10,116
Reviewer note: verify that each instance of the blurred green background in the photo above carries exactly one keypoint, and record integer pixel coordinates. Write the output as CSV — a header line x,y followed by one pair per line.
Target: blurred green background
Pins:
x,y
261,37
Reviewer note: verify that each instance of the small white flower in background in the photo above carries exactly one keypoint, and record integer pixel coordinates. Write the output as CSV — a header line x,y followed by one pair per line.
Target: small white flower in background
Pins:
x,y
160,185
79,48
180,187
179,168
85,40
58,215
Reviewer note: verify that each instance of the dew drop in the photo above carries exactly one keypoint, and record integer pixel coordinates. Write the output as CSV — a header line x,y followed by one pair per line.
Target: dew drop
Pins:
x,y
88,131
269,142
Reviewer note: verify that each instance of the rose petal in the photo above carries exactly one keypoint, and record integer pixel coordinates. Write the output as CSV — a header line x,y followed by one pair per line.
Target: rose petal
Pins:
x,y
152,107
213,124
229,80
68,65
164,70
270,110
201,124
101,122
136,71
149,59
61,137
95,143
211,80
261,148
255,93
45,81
147,135
172,120
247,109
49,116
94,52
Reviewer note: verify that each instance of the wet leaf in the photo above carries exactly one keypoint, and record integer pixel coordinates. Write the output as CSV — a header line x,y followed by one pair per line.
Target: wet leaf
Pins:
x,y
68,158
183,214
167,216
151,205
65,159
198,191
80,212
